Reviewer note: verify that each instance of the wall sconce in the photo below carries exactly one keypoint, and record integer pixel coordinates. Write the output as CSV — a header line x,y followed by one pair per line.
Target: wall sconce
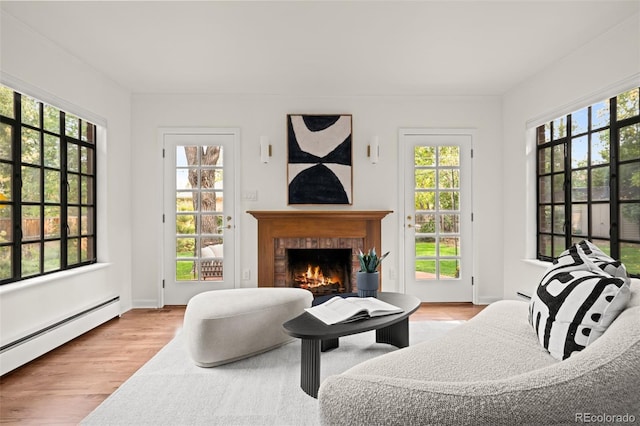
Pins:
x,y
265,149
373,150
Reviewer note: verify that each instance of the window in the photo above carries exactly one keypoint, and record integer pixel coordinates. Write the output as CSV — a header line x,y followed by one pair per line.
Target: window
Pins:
x,y
588,175
47,188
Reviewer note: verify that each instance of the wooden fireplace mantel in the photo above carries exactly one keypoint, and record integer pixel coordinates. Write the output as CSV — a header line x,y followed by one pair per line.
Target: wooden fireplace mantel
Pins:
x,y
274,224
377,215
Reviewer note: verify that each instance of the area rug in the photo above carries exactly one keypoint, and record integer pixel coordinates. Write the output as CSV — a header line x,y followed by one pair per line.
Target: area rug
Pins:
x,y
261,390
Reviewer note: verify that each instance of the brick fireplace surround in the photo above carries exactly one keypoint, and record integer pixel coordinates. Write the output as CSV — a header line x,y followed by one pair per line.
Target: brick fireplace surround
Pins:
x,y
282,230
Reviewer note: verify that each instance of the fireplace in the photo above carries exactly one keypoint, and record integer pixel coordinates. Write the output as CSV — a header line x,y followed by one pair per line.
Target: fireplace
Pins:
x,y
321,271
280,232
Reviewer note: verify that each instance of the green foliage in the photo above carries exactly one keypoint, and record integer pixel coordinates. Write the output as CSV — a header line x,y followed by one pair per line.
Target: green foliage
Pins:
x,y
437,170
5,262
185,271
448,268
627,104
370,261
630,256
186,245
6,102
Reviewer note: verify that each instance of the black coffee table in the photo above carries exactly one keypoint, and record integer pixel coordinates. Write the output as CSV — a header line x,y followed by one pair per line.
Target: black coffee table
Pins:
x,y
319,337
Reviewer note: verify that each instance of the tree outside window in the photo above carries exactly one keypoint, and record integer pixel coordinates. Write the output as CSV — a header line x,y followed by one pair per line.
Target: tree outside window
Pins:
x,y
589,180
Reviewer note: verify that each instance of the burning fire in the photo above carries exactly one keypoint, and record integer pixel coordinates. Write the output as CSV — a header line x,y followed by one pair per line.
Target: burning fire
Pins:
x,y
314,277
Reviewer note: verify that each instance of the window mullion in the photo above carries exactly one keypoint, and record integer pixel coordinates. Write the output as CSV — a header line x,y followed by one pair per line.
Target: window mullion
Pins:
x,y
17,187
94,198
614,134
43,218
567,184
64,191
590,206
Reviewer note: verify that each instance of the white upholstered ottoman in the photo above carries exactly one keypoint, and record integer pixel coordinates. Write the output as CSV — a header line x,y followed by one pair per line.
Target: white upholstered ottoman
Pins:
x,y
227,325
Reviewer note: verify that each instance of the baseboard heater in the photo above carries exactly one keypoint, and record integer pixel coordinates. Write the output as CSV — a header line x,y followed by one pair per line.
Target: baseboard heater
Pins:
x,y
523,295
33,345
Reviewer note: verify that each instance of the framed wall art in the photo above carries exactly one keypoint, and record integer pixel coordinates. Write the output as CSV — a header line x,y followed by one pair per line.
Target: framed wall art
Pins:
x,y
319,159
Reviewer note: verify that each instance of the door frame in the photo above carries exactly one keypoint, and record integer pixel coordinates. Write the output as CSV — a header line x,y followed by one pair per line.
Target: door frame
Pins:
x,y
233,131
430,131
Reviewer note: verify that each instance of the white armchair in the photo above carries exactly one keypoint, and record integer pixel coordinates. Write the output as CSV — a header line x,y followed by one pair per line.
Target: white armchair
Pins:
x,y
212,257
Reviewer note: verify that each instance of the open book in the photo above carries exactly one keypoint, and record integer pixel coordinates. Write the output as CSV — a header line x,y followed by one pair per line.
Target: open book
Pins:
x,y
342,310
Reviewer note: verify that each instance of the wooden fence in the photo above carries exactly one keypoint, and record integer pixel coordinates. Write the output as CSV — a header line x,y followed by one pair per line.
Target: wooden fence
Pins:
x,y
31,227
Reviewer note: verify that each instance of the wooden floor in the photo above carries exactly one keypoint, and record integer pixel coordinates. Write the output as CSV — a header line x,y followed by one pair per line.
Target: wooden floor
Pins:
x,y
66,384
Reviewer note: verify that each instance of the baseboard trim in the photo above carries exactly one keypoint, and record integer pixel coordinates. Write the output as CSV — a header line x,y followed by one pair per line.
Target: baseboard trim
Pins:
x,y
487,300
145,304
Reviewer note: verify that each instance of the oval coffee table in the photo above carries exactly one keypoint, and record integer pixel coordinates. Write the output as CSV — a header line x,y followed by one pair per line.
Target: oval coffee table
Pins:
x,y
319,337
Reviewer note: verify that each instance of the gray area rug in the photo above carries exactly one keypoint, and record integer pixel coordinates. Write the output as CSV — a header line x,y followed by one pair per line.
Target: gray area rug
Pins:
x,y
262,390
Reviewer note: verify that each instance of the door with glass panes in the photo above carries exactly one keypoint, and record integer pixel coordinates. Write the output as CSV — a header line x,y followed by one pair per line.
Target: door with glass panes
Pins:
x,y
437,214
199,216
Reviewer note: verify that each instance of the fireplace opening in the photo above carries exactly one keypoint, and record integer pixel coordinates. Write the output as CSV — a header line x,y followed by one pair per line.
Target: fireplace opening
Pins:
x,y
321,271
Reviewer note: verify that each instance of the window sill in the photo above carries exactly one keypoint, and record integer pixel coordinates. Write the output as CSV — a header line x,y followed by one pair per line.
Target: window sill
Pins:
x,y
537,263
45,279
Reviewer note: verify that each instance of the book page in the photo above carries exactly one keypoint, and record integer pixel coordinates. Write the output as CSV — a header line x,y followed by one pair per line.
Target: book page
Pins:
x,y
338,309
334,310
374,306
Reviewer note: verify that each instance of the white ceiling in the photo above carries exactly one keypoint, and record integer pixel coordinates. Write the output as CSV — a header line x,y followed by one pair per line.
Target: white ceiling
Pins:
x,y
322,47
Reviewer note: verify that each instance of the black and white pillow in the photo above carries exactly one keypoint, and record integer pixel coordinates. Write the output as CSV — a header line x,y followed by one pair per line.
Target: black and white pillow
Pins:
x,y
602,260
575,303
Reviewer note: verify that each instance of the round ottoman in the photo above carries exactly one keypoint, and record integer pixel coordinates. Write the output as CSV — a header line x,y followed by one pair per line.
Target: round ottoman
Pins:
x,y
227,325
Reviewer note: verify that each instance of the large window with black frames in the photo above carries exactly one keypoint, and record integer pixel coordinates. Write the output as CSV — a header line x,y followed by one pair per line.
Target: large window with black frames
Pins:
x,y
588,177
47,188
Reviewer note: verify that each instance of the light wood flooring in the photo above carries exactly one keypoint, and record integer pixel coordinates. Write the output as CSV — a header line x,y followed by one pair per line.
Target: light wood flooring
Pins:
x,y
65,385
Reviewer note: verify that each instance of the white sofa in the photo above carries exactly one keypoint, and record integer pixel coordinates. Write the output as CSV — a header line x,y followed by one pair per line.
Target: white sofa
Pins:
x,y
492,370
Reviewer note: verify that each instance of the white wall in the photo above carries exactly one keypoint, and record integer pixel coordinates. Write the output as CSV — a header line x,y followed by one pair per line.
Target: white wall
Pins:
x,y
601,68
44,70
375,186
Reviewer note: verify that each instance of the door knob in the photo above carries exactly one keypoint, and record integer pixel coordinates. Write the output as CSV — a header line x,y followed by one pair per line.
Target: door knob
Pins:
x,y
409,225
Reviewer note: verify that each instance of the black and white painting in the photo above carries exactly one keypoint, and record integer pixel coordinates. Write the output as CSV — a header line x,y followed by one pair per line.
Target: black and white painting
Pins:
x,y
319,166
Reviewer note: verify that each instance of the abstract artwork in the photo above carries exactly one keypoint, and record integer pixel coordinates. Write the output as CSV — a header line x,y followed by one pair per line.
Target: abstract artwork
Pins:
x,y
319,163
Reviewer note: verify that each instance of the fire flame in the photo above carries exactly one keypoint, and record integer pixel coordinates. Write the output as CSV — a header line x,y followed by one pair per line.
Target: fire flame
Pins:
x,y
314,277
314,273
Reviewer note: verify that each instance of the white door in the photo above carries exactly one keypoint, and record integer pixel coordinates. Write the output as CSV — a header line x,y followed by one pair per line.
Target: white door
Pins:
x,y
199,212
437,214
